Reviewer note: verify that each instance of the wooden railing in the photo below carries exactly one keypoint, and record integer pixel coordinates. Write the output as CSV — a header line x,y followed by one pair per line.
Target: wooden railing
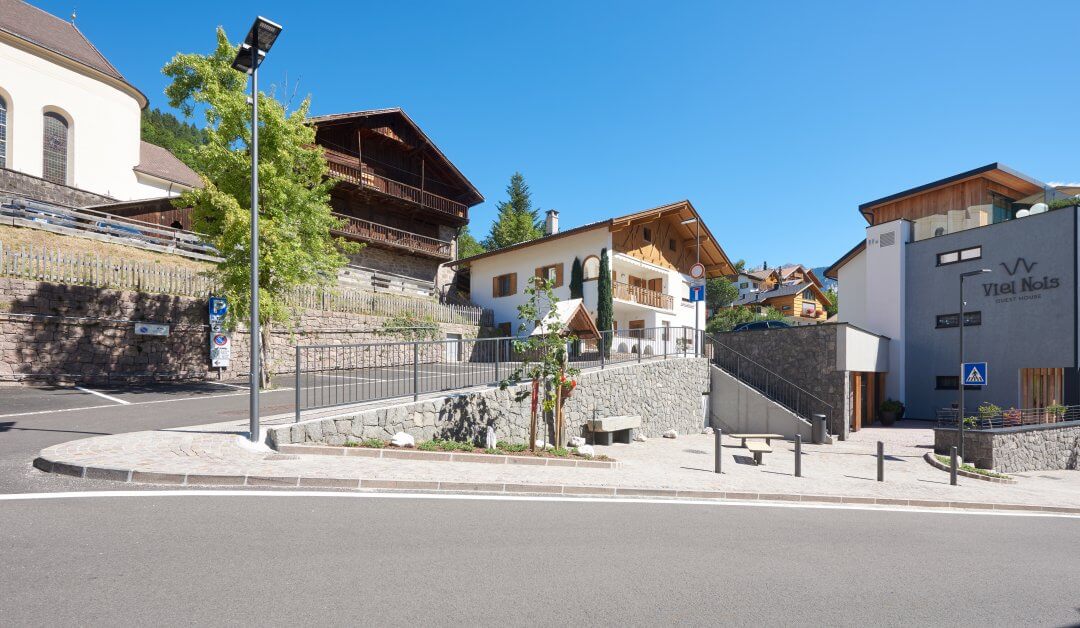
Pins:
x,y
373,231
643,296
368,179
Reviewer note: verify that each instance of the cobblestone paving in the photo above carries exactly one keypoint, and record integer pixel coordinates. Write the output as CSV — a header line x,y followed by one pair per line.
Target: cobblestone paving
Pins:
x,y
846,471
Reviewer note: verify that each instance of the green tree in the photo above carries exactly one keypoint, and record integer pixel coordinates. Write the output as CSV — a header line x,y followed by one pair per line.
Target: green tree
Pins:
x,y
166,130
727,318
577,280
719,293
467,246
295,245
605,308
517,221
834,302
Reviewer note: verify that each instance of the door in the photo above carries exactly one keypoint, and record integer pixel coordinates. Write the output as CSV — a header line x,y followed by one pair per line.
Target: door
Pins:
x,y
453,347
857,388
1040,388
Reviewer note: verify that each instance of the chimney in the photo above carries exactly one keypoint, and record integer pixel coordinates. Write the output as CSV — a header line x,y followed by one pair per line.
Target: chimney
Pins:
x,y
551,222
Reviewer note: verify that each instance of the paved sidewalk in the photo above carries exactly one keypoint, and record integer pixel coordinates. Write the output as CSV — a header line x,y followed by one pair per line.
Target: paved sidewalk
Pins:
x,y
219,455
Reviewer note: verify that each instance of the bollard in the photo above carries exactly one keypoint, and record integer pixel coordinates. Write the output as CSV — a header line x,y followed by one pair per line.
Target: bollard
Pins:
x,y
718,432
952,467
415,372
880,461
798,455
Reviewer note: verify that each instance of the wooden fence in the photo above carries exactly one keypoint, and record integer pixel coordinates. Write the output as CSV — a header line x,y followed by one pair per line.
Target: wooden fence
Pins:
x,y
88,270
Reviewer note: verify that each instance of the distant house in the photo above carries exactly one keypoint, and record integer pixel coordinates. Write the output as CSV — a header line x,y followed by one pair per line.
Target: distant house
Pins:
x,y
70,121
794,290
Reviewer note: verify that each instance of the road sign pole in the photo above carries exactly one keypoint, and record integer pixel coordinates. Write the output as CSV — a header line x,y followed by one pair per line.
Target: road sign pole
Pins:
x,y
960,418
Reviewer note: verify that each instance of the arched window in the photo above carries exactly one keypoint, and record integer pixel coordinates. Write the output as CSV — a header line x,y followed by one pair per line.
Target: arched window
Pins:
x,y
3,132
590,268
54,148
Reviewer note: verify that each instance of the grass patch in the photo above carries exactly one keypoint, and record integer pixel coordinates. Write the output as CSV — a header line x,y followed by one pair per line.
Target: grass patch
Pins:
x,y
511,448
428,445
15,237
946,460
561,452
374,443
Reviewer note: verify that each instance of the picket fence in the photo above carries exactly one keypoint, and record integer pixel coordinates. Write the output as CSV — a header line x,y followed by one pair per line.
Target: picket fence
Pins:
x,y
87,270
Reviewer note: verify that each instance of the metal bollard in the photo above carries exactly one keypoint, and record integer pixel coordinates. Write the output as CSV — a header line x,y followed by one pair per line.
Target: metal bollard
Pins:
x,y
880,461
952,467
718,432
415,372
798,455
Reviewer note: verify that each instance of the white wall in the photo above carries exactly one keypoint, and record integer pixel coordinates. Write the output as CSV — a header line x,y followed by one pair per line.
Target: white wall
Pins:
x,y
852,276
103,123
885,295
861,351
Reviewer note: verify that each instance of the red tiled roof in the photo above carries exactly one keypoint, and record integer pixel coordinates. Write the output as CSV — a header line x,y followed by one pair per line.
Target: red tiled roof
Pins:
x,y
159,162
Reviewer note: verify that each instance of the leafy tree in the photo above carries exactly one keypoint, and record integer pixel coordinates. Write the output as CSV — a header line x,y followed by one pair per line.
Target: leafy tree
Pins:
x,y
468,245
719,293
295,245
834,302
577,280
605,308
518,221
728,318
166,130
740,266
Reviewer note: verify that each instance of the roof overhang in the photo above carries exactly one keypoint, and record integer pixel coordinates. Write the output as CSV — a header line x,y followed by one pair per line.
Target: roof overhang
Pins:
x,y
713,257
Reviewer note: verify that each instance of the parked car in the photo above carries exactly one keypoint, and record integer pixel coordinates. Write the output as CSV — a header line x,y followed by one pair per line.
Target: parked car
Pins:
x,y
761,325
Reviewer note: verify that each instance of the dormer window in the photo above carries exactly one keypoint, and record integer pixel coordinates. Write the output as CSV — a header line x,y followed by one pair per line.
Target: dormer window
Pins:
x,y
646,234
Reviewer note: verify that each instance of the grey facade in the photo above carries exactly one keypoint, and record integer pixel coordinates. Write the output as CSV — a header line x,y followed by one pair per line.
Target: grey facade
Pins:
x,y
1027,304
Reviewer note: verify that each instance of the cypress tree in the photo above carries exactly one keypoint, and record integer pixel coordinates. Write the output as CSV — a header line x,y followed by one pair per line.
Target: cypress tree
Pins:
x,y
577,280
604,306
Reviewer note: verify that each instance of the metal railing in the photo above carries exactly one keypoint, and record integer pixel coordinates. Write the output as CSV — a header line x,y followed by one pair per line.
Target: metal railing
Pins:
x,y
366,178
987,419
375,232
337,375
774,386
644,296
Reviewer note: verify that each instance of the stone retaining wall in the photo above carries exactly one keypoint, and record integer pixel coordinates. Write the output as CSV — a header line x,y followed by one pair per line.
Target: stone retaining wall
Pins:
x,y
1017,449
665,393
22,184
63,332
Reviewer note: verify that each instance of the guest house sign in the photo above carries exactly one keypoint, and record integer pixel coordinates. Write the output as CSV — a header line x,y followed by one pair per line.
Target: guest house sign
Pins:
x,y
1022,282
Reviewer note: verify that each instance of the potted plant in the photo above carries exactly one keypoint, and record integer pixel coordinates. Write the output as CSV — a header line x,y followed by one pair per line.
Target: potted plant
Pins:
x,y
1055,412
890,412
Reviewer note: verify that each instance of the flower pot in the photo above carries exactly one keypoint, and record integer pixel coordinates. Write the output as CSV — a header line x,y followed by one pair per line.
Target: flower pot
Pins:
x,y
887,417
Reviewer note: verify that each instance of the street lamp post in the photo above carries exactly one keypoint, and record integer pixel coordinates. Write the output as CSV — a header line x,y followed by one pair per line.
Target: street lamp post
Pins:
x,y
960,422
249,57
697,260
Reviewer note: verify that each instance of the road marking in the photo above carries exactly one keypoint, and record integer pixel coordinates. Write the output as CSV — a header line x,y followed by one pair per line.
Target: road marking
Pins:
x,y
229,385
143,403
103,396
523,498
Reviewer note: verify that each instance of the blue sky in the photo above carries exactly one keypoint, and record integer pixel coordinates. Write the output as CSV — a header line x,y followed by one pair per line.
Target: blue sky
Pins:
x,y
776,119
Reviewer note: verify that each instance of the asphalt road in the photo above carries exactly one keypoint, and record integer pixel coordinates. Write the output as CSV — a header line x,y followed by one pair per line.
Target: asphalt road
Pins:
x,y
290,559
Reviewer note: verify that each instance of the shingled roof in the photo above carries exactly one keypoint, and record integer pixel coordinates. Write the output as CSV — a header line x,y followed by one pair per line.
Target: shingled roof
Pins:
x,y
159,162
47,31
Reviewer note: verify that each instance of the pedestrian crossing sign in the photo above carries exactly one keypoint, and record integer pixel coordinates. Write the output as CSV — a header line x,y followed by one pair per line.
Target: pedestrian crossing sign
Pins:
x,y
974,373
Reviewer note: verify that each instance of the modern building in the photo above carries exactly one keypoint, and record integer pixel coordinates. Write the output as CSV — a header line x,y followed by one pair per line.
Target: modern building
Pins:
x,y
903,281
70,121
650,254
793,290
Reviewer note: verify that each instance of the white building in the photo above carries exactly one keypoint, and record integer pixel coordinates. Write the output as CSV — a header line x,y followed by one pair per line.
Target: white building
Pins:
x,y
650,254
68,117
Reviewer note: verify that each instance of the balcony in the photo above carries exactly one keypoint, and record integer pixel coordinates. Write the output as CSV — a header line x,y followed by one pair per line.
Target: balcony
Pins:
x,y
642,296
368,231
368,180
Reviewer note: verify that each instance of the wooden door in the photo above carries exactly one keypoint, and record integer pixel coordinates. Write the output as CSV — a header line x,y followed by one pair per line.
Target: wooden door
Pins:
x,y
856,401
636,282
1041,387
656,285
638,326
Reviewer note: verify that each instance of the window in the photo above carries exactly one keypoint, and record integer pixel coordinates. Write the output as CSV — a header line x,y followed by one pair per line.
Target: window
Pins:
x,y
591,268
946,321
3,132
744,285
951,382
553,273
54,149
962,255
786,308
646,234
666,333
671,243
504,285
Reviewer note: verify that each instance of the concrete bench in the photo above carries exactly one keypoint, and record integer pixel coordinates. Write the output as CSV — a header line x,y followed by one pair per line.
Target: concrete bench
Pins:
x,y
758,448
767,437
604,428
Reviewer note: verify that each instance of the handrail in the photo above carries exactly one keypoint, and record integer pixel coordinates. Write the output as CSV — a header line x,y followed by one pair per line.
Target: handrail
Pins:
x,y
365,177
643,296
393,236
762,366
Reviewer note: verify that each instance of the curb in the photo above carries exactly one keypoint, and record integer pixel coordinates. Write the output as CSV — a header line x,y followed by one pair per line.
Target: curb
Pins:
x,y
193,479
937,464
444,456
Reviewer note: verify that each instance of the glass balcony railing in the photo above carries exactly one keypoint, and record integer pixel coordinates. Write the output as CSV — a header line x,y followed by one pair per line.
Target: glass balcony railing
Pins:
x,y
997,209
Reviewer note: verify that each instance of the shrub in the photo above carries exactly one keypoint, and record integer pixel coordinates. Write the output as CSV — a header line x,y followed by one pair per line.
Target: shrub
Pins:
x,y
428,445
374,443
561,452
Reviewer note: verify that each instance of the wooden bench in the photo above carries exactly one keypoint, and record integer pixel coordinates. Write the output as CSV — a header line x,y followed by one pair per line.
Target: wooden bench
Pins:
x,y
604,428
767,437
758,448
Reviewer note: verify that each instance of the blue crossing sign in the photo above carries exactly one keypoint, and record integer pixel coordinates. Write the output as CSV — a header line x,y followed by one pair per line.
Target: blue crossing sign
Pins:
x,y
974,374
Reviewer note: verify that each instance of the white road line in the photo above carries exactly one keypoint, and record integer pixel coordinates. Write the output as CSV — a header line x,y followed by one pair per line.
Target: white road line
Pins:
x,y
103,396
523,498
229,385
143,403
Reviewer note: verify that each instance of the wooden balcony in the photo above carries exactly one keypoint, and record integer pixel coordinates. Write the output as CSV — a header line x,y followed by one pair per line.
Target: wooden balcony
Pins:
x,y
643,296
368,180
360,229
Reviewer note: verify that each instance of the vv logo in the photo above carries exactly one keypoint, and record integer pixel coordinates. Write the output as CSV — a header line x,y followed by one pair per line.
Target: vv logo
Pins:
x,y
1020,261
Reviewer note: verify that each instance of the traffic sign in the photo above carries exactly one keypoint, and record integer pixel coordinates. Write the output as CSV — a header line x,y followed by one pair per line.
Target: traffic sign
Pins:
x,y
151,329
974,374
697,271
697,293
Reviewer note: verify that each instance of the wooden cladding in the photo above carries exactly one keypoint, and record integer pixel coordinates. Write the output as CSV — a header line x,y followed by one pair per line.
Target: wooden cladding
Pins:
x,y
504,285
640,241
1041,387
958,195
553,272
